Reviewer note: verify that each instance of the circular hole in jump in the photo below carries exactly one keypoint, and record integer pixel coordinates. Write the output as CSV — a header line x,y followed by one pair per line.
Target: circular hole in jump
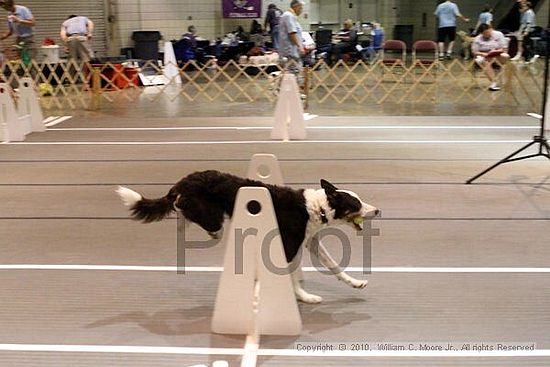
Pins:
x,y
254,207
264,171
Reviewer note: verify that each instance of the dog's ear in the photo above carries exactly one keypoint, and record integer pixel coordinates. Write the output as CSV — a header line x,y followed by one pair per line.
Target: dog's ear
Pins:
x,y
329,188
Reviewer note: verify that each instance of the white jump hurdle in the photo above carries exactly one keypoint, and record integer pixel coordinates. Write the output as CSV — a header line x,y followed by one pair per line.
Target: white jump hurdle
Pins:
x,y
289,113
252,298
266,168
27,117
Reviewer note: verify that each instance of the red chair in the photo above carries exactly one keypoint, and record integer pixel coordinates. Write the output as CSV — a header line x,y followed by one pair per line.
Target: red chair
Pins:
x,y
424,53
394,53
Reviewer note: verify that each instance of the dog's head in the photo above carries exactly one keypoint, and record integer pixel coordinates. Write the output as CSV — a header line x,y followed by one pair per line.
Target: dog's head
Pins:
x,y
347,207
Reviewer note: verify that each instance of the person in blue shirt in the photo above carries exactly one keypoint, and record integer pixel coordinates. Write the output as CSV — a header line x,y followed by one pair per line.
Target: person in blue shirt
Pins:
x,y
291,45
523,35
76,32
446,13
485,17
20,23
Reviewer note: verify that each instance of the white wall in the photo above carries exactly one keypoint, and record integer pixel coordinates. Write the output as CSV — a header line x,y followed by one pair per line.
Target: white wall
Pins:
x,y
172,17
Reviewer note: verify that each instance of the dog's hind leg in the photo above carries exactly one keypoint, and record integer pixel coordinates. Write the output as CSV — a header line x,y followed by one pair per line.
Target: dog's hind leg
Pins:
x,y
318,250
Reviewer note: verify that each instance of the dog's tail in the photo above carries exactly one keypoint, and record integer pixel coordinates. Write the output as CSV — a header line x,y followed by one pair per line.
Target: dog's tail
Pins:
x,y
146,210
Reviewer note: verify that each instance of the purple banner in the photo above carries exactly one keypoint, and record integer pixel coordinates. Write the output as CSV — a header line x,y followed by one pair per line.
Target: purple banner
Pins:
x,y
242,8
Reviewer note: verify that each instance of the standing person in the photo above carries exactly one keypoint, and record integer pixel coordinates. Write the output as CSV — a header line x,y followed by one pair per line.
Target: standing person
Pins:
x,y
76,32
527,25
291,44
488,46
272,18
485,17
446,13
20,23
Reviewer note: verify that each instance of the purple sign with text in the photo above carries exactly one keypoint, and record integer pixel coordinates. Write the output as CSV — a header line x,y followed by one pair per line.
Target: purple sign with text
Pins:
x,y
242,8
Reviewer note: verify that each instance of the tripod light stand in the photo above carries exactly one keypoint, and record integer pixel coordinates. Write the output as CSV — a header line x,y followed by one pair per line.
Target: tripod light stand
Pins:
x,y
540,140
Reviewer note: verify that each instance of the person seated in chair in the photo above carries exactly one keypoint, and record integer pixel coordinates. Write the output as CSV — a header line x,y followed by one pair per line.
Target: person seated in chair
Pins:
x,y
188,46
347,39
370,53
191,36
488,46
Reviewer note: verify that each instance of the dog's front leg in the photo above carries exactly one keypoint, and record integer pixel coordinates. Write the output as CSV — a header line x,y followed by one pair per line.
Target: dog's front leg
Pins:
x,y
301,294
319,251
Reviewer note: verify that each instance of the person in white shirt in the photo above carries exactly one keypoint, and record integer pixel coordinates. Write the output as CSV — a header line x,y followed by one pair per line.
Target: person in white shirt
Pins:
x,y
485,17
488,46
76,32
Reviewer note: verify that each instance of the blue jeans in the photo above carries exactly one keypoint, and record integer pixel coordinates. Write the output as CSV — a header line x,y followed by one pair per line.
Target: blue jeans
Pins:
x,y
275,37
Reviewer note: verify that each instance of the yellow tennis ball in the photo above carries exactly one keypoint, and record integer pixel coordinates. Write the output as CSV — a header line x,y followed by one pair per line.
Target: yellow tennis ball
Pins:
x,y
358,220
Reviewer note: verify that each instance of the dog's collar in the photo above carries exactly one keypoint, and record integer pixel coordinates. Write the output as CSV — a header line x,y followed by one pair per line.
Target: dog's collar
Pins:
x,y
323,216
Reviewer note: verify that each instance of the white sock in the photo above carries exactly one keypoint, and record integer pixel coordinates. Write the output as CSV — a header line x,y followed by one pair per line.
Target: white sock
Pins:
x,y
493,85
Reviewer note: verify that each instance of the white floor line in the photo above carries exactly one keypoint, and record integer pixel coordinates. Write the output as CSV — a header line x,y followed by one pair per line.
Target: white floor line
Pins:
x,y
50,118
233,142
58,121
377,127
210,269
65,348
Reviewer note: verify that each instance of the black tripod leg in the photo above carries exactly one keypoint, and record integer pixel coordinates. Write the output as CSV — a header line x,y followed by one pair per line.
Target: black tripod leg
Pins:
x,y
545,144
504,160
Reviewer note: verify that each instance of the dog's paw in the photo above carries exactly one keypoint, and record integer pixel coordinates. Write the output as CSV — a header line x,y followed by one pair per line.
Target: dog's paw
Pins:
x,y
215,235
309,298
359,284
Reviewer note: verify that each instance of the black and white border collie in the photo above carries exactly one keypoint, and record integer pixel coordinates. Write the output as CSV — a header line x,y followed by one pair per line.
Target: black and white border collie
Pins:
x,y
206,198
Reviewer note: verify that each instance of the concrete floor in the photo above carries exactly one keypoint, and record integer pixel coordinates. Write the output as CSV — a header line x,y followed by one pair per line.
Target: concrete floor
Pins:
x,y
59,207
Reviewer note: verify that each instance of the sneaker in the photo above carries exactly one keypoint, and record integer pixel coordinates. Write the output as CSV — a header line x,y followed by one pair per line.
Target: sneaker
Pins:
x,y
534,59
441,57
516,58
494,88
448,56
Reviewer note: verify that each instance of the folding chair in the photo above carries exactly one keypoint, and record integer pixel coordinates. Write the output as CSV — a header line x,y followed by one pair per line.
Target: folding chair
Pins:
x,y
424,56
394,53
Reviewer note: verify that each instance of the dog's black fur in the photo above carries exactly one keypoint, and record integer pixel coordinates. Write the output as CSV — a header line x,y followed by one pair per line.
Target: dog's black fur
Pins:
x,y
205,198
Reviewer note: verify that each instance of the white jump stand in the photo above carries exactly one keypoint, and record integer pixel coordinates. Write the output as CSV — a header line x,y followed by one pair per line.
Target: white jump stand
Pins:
x,y
29,105
277,311
252,299
289,113
12,128
266,168
16,122
171,70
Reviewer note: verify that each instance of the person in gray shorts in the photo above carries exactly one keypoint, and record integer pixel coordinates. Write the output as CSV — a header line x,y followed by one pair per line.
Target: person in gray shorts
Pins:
x,y
76,32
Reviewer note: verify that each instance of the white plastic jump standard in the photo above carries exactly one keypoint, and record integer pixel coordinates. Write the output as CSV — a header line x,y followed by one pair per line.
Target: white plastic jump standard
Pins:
x,y
29,105
12,128
171,71
266,168
15,122
289,113
276,312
